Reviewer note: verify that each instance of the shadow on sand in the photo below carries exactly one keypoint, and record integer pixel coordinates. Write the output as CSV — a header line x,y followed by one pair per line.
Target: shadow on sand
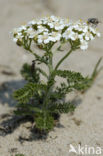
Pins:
x,y
7,89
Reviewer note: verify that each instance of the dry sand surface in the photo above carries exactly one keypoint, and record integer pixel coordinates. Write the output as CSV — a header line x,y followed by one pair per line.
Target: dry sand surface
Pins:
x,y
85,126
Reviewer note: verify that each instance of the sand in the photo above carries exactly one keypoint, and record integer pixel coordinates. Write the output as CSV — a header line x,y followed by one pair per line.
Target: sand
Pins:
x,y
85,125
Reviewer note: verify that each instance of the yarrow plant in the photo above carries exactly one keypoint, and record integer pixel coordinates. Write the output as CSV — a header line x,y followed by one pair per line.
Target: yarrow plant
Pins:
x,y
44,101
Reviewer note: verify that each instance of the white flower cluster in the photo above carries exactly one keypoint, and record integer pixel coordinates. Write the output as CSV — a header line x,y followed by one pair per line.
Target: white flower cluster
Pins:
x,y
52,29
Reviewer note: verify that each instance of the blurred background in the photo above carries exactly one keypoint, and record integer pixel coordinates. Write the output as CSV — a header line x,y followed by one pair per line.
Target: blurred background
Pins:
x,y
14,13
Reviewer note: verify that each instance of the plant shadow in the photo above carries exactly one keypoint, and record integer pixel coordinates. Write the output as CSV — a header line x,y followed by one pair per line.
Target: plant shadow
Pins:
x,y
12,122
6,92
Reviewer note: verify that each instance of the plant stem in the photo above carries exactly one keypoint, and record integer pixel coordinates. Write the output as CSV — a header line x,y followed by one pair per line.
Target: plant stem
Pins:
x,y
59,63
49,88
37,56
50,67
95,71
51,71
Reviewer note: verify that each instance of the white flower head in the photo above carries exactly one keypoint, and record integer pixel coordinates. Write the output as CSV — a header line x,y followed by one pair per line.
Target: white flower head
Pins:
x,y
73,36
31,33
51,24
67,33
15,31
19,37
84,45
58,26
92,30
54,18
65,22
88,36
55,36
39,22
41,29
80,27
23,27
44,20
33,22
44,38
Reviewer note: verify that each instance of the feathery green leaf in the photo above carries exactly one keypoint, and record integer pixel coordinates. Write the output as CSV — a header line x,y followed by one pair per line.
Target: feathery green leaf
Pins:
x,y
23,95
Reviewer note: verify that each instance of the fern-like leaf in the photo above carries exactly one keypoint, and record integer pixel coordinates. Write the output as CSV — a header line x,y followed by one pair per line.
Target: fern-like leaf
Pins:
x,y
62,107
70,75
32,76
75,80
28,74
23,95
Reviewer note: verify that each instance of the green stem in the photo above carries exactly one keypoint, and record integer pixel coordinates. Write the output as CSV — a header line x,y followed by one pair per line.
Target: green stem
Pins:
x,y
95,71
37,56
59,63
49,88
50,67
51,75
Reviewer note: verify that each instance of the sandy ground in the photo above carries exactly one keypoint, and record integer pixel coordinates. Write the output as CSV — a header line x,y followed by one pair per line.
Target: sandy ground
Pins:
x,y
85,126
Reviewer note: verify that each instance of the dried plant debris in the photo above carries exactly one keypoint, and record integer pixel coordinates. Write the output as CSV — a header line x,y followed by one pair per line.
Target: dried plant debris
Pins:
x,y
6,70
77,122
9,73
